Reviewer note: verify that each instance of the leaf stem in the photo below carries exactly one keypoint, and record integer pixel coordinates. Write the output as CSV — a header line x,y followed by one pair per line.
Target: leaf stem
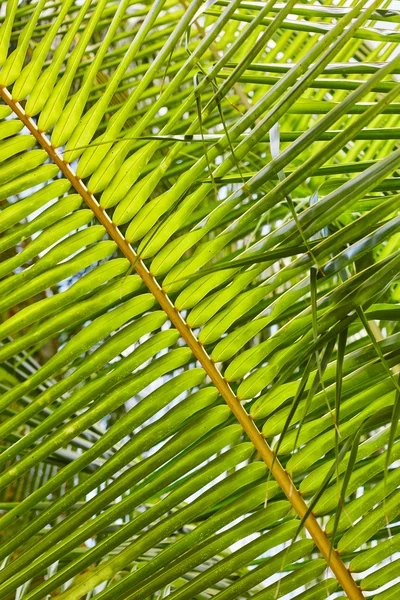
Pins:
x,y
265,452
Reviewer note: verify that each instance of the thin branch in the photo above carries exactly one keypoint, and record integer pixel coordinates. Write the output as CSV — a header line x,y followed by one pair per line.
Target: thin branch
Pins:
x,y
281,476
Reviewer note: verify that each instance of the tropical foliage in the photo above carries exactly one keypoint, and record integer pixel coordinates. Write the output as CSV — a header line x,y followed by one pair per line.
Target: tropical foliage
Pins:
x,y
199,299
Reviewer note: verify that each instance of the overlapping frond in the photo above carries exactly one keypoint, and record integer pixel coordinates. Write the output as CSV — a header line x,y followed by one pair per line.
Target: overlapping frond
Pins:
x,y
199,342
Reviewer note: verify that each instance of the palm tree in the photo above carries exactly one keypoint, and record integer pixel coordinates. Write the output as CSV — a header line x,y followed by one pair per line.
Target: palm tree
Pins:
x,y
200,324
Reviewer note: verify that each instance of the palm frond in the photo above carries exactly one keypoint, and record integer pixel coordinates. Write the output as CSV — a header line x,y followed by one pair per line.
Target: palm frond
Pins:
x,y
199,298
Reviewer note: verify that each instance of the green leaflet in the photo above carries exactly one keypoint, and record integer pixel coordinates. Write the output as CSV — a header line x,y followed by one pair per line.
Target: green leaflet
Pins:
x,y
44,86
389,594
30,73
294,580
15,145
113,294
25,182
196,290
203,312
83,341
49,216
89,123
134,473
48,238
5,111
64,249
93,158
374,520
132,334
249,525
71,114
18,211
62,271
271,566
10,128
203,450
219,324
13,64
359,388
155,401
267,403
360,476
217,493
311,484
307,455
47,306
5,30
274,537
56,100
372,556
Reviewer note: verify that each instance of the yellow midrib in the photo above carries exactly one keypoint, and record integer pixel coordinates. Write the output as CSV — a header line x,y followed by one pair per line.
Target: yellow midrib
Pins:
x,y
280,475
